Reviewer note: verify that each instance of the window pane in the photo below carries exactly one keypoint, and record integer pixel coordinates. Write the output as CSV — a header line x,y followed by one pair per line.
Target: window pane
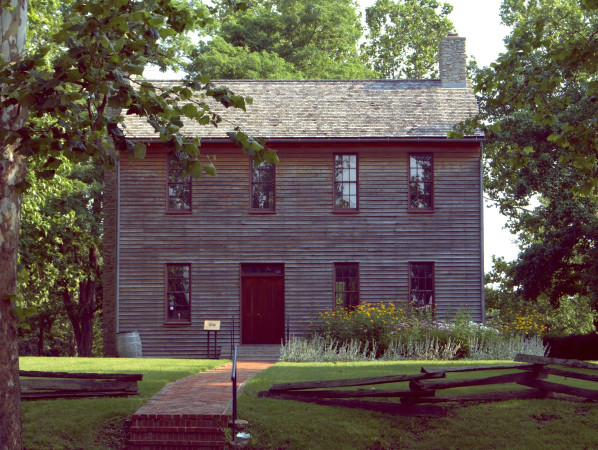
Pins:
x,y
262,196
345,181
178,296
262,187
346,285
422,284
263,172
420,181
179,187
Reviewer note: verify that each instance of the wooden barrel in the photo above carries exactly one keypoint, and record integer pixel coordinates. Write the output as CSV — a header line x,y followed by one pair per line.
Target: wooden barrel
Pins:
x,y
128,344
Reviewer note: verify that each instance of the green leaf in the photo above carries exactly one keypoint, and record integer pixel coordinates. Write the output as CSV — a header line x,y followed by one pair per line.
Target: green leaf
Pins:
x,y
139,150
210,169
189,110
194,169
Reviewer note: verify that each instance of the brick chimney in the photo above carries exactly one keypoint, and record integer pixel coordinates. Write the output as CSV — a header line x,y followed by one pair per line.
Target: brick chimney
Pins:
x,y
453,61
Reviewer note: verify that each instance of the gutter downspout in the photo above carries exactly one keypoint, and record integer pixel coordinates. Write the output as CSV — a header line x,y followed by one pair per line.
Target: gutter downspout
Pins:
x,y
483,291
118,246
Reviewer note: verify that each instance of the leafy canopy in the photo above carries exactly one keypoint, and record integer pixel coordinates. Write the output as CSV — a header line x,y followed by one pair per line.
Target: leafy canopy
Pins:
x,y
538,105
76,86
404,37
283,39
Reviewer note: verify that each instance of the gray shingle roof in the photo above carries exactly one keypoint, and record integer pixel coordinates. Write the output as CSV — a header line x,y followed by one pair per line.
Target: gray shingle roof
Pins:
x,y
335,109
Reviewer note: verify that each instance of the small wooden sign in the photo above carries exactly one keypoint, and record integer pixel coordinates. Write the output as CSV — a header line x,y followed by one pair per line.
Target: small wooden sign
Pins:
x,y
211,325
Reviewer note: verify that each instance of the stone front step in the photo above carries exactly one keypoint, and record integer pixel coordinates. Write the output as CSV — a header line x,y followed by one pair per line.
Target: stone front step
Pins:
x,y
258,352
171,431
169,445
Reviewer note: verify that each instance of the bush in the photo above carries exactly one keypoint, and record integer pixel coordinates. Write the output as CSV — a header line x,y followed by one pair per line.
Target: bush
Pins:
x,y
390,331
318,349
573,347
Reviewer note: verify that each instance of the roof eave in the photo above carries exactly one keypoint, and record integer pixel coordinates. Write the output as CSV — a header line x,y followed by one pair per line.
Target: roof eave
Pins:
x,y
364,139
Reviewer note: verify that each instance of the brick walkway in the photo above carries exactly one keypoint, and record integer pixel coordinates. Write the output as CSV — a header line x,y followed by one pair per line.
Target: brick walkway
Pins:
x,y
192,412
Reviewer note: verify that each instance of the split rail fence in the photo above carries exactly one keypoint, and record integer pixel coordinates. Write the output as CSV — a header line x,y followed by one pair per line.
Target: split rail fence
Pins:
x,y
44,385
420,398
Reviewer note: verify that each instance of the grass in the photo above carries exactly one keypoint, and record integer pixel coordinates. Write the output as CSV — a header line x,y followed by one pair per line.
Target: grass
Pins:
x,y
530,424
96,423
274,424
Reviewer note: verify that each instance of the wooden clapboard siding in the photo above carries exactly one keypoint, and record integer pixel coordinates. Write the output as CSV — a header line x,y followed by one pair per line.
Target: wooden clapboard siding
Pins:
x,y
304,235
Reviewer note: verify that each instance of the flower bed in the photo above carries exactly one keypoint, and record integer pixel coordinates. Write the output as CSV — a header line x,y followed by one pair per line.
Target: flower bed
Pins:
x,y
392,331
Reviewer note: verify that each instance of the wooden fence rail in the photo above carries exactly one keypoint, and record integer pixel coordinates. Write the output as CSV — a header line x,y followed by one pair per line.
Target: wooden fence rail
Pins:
x,y
530,379
43,385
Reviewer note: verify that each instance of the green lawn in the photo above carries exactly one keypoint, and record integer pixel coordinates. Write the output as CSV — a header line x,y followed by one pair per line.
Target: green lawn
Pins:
x,y
97,423
510,424
89,423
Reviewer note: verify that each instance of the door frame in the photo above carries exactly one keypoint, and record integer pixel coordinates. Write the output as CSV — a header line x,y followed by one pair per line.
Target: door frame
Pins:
x,y
260,270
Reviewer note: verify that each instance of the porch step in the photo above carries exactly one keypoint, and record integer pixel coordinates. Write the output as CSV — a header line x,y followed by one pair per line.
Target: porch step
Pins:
x,y
258,352
175,431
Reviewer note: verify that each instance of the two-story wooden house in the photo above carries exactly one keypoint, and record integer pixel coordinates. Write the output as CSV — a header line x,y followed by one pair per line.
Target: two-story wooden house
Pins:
x,y
371,202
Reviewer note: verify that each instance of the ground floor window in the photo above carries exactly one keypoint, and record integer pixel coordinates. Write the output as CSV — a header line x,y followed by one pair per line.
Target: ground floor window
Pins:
x,y
178,293
346,285
421,284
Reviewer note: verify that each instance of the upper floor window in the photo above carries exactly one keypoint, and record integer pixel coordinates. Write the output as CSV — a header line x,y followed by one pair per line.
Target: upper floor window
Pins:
x,y
178,293
345,183
346,285
179,187
421,181
263,186
421,284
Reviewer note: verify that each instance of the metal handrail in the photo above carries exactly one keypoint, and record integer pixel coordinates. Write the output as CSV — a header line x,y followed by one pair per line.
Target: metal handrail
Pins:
x,y
234,380
232,335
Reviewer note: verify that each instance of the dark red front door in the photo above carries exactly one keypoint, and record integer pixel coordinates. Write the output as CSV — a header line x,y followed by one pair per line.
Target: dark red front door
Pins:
x,y
262,309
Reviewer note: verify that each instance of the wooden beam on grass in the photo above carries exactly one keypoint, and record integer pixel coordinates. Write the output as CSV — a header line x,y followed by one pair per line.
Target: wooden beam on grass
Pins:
x,y
352,382
395,408
40,395
358,393
521,394
70,384
448,384
561,389
84,375
575,363
432,370
569,374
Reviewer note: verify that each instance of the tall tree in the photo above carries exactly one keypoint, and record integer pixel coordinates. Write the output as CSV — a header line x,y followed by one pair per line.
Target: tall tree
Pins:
x,y
404,36
75,94
13,28
538,105
284,39
60,250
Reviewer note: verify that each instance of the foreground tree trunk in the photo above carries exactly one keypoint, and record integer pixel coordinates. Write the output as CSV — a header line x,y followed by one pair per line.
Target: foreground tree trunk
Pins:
x,y
13,28
11,173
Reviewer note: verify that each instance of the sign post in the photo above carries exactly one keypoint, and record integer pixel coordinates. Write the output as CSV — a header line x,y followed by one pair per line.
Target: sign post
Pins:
x,y
212,326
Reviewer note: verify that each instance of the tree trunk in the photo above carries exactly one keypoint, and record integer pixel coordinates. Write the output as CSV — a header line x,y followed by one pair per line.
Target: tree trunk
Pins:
x,y
81,315
11,173
13,29
40,342
71,312
86,310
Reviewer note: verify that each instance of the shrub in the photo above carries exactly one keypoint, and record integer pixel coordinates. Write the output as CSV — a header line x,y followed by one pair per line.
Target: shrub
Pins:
x,y
393,331
318,349
520,320
574,347
506,348
428,348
